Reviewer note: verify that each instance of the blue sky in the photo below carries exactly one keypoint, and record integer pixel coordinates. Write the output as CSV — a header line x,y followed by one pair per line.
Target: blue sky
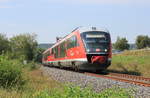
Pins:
x,y
51,18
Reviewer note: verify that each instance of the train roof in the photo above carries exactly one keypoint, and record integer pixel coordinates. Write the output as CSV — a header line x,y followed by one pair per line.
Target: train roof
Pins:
x,y
86,29
46,51
80,30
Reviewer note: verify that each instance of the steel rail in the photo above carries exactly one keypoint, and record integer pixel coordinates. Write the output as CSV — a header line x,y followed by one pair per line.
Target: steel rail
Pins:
x,y
130,76
119,79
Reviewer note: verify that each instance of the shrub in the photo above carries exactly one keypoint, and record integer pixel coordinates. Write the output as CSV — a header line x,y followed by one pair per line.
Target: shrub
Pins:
x,y
24,44
10,73
121,44
32,65
38,55
142,41
4,44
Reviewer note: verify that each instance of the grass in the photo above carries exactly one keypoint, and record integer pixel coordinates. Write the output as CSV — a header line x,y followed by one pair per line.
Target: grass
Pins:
x,y
10,73
135,62
36,82
39,86
77,92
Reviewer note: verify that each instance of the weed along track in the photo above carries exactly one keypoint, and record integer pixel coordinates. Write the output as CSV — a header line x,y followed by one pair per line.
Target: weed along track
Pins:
x,y
137,80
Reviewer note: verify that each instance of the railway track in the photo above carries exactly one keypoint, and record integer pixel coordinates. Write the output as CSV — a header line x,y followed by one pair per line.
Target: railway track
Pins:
x,y
99,82
132,79
137,80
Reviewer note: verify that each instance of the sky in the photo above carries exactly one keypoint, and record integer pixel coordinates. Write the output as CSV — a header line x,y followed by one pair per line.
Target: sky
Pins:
x,y
52,18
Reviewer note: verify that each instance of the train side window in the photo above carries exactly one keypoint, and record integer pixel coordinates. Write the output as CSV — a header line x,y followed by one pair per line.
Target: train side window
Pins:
x,y
62,49
76,41
52,51
56,52
46,55
72,42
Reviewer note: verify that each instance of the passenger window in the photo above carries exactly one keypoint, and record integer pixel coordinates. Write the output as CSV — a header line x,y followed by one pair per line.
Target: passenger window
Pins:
x,y
62,50
72,42
56,52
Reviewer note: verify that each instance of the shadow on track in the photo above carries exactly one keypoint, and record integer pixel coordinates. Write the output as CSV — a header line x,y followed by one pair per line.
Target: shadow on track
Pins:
x,y
125,72
102,72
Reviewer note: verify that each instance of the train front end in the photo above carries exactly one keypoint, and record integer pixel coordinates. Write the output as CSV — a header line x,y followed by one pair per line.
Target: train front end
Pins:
x,y
97,44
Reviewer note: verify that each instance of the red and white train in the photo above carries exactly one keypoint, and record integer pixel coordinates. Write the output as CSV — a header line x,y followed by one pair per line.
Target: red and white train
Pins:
x,y
84,48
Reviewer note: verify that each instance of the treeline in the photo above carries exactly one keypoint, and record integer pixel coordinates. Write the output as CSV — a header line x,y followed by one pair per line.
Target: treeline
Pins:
x,y
142,41
17,54
23,46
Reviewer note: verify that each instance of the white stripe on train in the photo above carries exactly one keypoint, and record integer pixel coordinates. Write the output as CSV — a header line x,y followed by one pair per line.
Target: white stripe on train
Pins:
x,y
79,59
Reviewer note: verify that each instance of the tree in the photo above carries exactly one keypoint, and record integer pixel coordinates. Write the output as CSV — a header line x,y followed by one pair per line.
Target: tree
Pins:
x,y
24,45
38,55
142,41
121,44
4,43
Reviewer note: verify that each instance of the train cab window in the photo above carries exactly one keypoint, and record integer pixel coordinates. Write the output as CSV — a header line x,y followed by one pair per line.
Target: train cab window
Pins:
x,y
72,42
95,41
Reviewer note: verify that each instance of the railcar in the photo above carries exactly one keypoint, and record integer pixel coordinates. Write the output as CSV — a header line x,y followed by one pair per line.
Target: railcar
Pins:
x,y
83,49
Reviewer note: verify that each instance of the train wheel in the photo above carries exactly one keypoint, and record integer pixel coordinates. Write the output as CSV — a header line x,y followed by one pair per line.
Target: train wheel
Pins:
x,y
59,64
75,66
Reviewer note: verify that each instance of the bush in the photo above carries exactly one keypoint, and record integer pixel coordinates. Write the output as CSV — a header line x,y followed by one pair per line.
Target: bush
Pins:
x,y
10,73
121,44
38,55
32,65
142,41
24,44
4,43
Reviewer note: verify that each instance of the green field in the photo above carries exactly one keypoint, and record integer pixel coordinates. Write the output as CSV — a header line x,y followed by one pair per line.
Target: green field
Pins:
x,y
135,62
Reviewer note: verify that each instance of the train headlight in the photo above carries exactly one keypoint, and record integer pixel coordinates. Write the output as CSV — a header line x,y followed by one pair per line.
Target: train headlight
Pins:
x,y
88,50
109,59
105,50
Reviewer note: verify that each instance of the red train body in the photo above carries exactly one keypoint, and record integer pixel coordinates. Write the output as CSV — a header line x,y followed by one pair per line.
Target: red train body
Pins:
x,y
83,48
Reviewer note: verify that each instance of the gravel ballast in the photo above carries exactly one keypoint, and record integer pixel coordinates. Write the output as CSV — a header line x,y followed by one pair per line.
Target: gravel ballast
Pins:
x,y
97,84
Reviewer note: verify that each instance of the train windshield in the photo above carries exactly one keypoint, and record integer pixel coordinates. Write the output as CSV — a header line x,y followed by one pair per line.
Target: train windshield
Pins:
x,y
96,41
